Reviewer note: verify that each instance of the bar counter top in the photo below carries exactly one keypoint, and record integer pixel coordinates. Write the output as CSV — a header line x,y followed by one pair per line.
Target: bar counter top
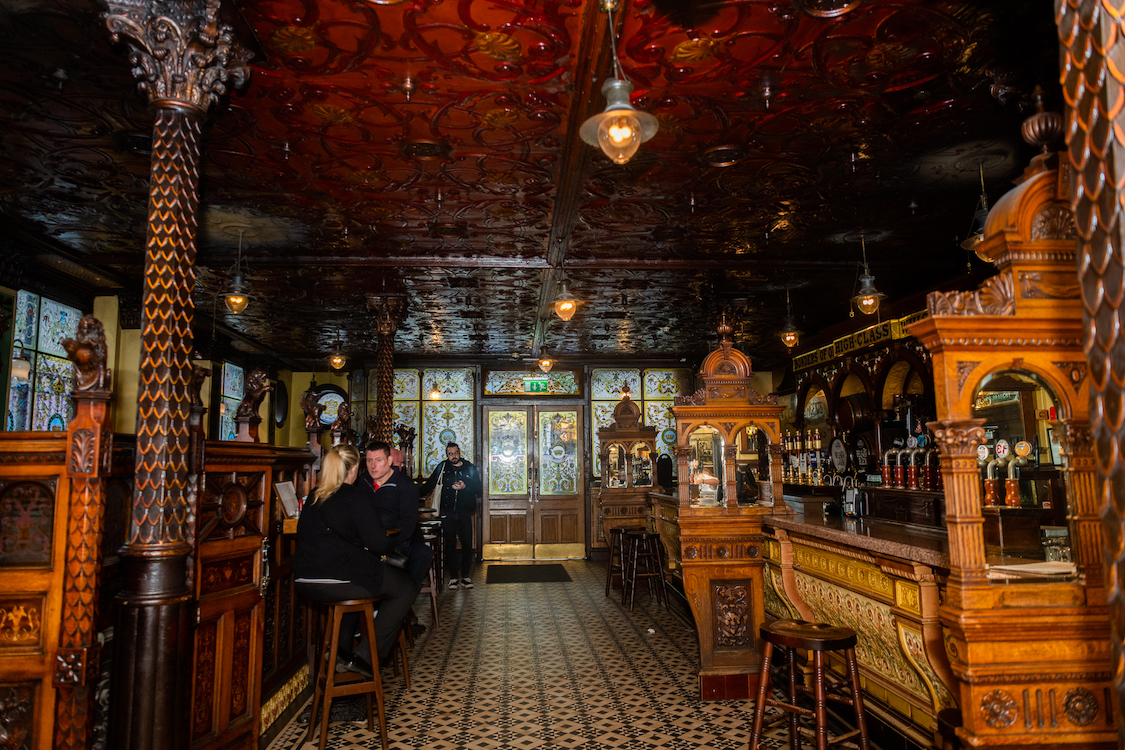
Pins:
x,y
907,542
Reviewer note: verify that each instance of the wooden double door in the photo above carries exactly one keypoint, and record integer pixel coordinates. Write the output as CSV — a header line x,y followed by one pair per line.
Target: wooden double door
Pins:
x,y
533,483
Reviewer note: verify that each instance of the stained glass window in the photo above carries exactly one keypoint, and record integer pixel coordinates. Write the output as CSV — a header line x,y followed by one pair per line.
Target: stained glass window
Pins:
x,y
654,392
445,422
453,385
234,383
42,402
510,383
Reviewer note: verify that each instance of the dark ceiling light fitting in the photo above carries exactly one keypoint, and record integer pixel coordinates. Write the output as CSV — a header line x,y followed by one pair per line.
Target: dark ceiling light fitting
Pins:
x,y
21,365
237,296
621,129
789,334
565,303
868,298
980,215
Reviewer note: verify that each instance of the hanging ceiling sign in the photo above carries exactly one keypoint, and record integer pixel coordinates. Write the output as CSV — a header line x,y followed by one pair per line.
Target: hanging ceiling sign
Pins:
x,y
888,330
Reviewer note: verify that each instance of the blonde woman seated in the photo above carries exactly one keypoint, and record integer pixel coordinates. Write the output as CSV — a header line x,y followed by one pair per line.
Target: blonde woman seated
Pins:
x,y
340,543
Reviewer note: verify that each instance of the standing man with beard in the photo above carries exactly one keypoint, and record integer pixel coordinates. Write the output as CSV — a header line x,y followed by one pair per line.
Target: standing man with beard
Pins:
x,y
460,486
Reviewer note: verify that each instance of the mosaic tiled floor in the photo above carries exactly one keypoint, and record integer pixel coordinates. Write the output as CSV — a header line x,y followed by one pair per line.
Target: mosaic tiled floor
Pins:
x,y
541,665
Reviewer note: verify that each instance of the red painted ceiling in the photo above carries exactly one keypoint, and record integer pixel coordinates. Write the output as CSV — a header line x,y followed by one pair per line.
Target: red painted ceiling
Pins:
x,y
431,147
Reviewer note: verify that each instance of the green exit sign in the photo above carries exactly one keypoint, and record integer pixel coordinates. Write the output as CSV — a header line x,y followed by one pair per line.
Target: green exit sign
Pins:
x,y
534,384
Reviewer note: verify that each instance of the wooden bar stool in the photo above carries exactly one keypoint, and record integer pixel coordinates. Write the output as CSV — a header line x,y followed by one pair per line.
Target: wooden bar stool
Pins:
x,y
331,684
616,558
794,635
644,561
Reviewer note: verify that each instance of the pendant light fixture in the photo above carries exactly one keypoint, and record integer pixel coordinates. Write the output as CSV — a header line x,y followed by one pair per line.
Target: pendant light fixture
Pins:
x,y
789,334
621,129
565,304
976,229
337,360
869,298
21,365
545,361
237,296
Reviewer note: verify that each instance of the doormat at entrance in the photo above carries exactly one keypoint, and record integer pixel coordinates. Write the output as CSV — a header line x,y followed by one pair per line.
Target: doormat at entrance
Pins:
x,y
553,573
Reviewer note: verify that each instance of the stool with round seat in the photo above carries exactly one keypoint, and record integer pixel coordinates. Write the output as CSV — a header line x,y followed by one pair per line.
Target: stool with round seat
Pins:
x,y
332,684
819,638
644,561
616,558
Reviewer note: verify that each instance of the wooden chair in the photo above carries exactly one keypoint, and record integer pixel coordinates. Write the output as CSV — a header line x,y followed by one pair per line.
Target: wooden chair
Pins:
x,y
332,684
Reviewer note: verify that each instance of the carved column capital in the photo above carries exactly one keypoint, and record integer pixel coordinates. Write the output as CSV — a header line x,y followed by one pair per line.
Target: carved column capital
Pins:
x,y
958,437
681,451
388,311
181,53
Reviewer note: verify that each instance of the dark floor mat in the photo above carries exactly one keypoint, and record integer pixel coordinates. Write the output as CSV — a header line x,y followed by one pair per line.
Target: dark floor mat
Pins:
x,y
553,573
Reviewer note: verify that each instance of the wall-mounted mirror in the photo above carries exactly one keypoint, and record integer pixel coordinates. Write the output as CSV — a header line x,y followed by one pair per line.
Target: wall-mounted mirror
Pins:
x,y
1022,485
706,466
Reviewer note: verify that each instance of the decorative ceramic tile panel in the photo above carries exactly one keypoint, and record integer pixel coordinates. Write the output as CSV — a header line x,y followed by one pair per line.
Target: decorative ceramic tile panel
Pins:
x,y
405,412
507,452
52,406
659,414
444,422
357,386
19,401
450,384
510,383
26,325
603,417
667,384
234,381
226,418
558,452
607,384
56,322
877,644
406,386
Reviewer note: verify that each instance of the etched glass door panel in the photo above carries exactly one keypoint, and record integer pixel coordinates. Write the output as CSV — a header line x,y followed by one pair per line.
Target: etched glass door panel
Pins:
x,y
507,501
558,512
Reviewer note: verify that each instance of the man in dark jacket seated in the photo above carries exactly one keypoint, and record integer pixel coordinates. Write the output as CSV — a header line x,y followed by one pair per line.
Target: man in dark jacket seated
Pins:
x,y
396,501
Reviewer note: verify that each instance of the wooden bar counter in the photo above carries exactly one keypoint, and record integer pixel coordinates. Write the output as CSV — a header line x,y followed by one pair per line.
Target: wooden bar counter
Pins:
x,y
884,580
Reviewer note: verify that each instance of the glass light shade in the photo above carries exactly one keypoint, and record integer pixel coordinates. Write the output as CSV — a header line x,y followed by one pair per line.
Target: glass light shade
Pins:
x,y
621,129
545,364
789,334
619,137
565,304
976,232
337,361
21,367
236,299
869,298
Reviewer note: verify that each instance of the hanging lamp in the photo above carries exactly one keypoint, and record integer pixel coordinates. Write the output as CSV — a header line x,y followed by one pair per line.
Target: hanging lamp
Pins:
x,y
980,215
237,296
565,303
868,298
545,361
620,129
789,334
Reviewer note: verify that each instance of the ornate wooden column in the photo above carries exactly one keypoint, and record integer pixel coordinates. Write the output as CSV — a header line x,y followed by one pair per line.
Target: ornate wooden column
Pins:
x,y
1091,33
958,441
184,58
89,441
388,311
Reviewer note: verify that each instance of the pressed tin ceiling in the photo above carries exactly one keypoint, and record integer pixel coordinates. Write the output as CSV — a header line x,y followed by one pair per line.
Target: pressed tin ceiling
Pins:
x,y
432,148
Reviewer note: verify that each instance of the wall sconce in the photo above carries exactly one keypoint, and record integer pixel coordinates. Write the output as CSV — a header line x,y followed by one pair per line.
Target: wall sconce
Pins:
x,y
565,304
868,298
789,334
621,129
237,296
21,365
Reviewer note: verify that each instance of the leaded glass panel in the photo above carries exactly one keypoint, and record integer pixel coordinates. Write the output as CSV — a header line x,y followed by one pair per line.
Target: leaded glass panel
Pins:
x,y
357,386
667,384
445,422
229,407
447,384
507,452
234,381
19,400
26,325
608,384
56,322
558,452
52,406
603,417
659,414
510,383
405,412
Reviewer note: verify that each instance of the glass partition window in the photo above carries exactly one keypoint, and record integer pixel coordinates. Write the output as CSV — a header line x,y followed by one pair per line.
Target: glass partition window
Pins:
x,y
706,466
642,465
43,401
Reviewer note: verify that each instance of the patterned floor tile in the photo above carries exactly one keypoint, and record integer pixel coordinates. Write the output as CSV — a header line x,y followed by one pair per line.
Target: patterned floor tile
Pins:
x,y
543,666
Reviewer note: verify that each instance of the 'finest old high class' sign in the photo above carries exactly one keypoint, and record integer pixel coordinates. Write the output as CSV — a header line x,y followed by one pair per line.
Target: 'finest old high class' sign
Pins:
x,y
888,330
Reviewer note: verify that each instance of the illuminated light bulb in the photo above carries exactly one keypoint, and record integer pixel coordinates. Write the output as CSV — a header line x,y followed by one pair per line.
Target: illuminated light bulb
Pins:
x,y
337,361
621,129
790,338
565,304
236,302
619,137
869,298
